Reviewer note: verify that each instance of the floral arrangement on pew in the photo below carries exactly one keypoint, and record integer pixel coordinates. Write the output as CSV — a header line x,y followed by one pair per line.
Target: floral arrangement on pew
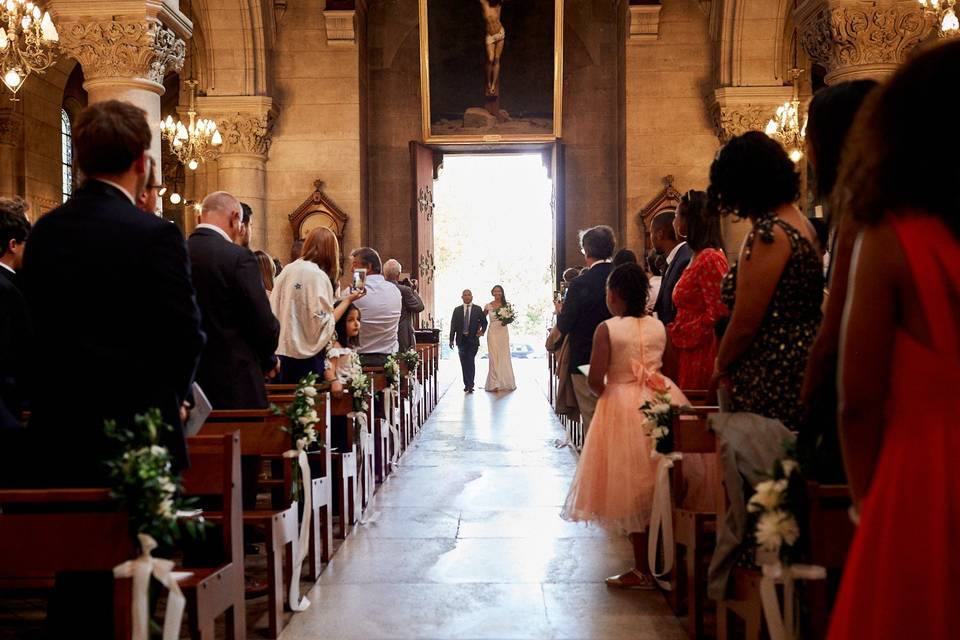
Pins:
x,y
391,369
774,509
301,424
505,314
358,385
144,484
659,414
411,358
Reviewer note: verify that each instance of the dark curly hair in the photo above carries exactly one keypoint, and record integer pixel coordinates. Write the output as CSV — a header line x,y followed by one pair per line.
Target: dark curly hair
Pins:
x,y
751,176
898,158
829,119
631,284
703,229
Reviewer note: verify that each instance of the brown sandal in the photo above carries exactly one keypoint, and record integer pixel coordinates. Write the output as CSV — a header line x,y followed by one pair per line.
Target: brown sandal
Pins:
x,y
632,579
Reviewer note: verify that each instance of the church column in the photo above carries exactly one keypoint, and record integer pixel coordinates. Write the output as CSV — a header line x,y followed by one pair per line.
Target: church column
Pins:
x,y
124,52
11,146
854,40
246,124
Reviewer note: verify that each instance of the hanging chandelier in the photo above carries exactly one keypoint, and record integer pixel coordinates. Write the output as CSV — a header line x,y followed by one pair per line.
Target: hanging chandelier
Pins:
x,y
196,141
785,126
28,42
945,13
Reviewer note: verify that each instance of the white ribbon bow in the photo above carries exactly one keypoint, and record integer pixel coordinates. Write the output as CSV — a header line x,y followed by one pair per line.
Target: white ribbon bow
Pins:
x,y
661,520
140,569
781,624
300,545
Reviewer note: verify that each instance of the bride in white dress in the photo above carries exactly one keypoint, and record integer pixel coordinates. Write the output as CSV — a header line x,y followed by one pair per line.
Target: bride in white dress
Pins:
x,y
500,374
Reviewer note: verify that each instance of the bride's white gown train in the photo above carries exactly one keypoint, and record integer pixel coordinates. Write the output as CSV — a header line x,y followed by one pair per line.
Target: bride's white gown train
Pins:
x,y
500,375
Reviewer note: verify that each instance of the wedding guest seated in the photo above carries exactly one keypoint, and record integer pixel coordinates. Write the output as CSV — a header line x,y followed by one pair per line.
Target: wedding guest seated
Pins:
x,y
584,308
380,310
776,288
411,305
697,294
15,329
241,330
665,242
900,359
831,115
303,301
267,269
123,278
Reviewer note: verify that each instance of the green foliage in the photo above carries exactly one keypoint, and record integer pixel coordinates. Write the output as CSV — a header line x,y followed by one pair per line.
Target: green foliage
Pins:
x,y
301,424
143,482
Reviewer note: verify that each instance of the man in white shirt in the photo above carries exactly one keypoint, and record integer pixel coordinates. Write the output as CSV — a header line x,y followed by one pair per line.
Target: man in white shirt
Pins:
x,y
380,310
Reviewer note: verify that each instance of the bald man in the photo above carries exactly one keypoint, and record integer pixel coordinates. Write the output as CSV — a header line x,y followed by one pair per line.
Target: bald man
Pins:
x,y
411,305
242,331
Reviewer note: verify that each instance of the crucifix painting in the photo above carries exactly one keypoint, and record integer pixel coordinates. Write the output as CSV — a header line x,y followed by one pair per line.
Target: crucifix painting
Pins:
x,y
491,70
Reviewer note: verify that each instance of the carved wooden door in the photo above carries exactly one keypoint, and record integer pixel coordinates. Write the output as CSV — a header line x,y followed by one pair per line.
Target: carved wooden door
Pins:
x,y
423,165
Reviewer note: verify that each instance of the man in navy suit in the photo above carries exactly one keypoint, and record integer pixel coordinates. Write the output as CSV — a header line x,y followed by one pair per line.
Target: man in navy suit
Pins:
x,y
678,257
466,328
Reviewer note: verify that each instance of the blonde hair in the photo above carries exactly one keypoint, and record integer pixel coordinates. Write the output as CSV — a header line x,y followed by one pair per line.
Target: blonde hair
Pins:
x,y
321,248
266,269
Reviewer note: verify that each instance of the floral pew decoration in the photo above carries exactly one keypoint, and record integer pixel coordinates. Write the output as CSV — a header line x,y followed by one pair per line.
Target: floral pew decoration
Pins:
x,y
145,486
776,508
411,358
358,387
391,370
302,419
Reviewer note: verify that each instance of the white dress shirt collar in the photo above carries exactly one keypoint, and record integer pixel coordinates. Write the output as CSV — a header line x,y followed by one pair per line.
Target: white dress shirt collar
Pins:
x,y
8,267
673,254
122,190
207,225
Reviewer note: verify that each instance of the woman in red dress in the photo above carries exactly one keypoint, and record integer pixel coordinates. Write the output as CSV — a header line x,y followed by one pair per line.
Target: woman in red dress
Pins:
x,y
697,294
900,361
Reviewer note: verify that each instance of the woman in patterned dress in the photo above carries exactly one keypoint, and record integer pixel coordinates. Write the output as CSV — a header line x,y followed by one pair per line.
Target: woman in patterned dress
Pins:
x,y
775,290
697,294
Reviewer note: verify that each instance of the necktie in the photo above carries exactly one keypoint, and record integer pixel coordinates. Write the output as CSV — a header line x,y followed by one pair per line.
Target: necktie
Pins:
x,y
466,321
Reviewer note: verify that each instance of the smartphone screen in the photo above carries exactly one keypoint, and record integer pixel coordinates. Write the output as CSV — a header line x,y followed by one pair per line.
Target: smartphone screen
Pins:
x,y
359,278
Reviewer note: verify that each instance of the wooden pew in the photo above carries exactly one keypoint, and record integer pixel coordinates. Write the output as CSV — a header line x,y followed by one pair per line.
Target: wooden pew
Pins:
x,y
694,530
215,471
261,434
320,549
388,410
347,466
65,530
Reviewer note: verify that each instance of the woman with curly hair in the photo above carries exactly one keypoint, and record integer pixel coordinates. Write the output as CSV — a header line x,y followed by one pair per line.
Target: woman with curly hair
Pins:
x,y
900,359
697,294
776,288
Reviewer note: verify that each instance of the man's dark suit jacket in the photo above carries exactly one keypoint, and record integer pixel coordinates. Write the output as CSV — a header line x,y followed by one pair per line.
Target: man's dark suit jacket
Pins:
x,y
584,308
242,332
477,321
664,308
116,323
411,304
14,338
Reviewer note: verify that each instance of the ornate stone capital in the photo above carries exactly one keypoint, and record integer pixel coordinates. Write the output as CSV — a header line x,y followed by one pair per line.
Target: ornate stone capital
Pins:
x,y
644,23
141,48
736,110
854,39
245,122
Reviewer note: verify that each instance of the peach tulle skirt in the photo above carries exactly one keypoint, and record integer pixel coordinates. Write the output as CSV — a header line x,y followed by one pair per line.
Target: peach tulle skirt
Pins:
x,y
615,477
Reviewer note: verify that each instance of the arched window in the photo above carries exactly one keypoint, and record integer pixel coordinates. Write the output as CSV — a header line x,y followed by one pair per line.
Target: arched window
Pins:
x,y
66,154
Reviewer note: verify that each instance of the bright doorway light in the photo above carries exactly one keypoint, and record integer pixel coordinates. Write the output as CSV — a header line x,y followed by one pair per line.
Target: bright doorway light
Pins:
x,y
493,224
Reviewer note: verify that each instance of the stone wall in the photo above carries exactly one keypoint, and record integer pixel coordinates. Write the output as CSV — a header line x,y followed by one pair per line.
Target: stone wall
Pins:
x,y
668,129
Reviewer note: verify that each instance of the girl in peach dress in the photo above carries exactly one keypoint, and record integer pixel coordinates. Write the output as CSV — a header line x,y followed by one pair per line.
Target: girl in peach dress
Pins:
x,y
615,477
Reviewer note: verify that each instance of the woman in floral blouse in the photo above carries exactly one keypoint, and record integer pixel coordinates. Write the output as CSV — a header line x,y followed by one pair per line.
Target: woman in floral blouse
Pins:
x,y
697,294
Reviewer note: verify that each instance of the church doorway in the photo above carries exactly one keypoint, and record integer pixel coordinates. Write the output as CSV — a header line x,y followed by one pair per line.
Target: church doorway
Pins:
x,y
494,223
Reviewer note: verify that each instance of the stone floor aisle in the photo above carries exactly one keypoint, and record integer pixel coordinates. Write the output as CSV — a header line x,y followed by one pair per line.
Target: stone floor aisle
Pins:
x,y
465,541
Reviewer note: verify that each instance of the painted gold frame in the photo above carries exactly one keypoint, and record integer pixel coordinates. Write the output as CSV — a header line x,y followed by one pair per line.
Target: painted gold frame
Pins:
x,y
429,138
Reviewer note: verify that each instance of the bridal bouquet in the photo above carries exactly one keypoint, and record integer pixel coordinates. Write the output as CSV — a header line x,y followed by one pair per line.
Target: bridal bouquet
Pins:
x,y
505,314
144,483
659,414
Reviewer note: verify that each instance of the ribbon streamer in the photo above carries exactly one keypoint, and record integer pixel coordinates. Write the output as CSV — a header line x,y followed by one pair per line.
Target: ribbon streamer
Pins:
x,y
661,521
360,418
140,569
300,545
780,625
415,392
389,395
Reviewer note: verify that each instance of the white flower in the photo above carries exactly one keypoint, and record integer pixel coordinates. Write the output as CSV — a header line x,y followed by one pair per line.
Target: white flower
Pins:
x,y
167,486
776,527
305,420
165,509
157,450
658,432
661,408
310,391
767,496
310,400
789,466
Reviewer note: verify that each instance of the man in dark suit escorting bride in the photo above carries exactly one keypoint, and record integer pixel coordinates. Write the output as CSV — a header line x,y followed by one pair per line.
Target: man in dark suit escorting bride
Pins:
x,y
466,328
